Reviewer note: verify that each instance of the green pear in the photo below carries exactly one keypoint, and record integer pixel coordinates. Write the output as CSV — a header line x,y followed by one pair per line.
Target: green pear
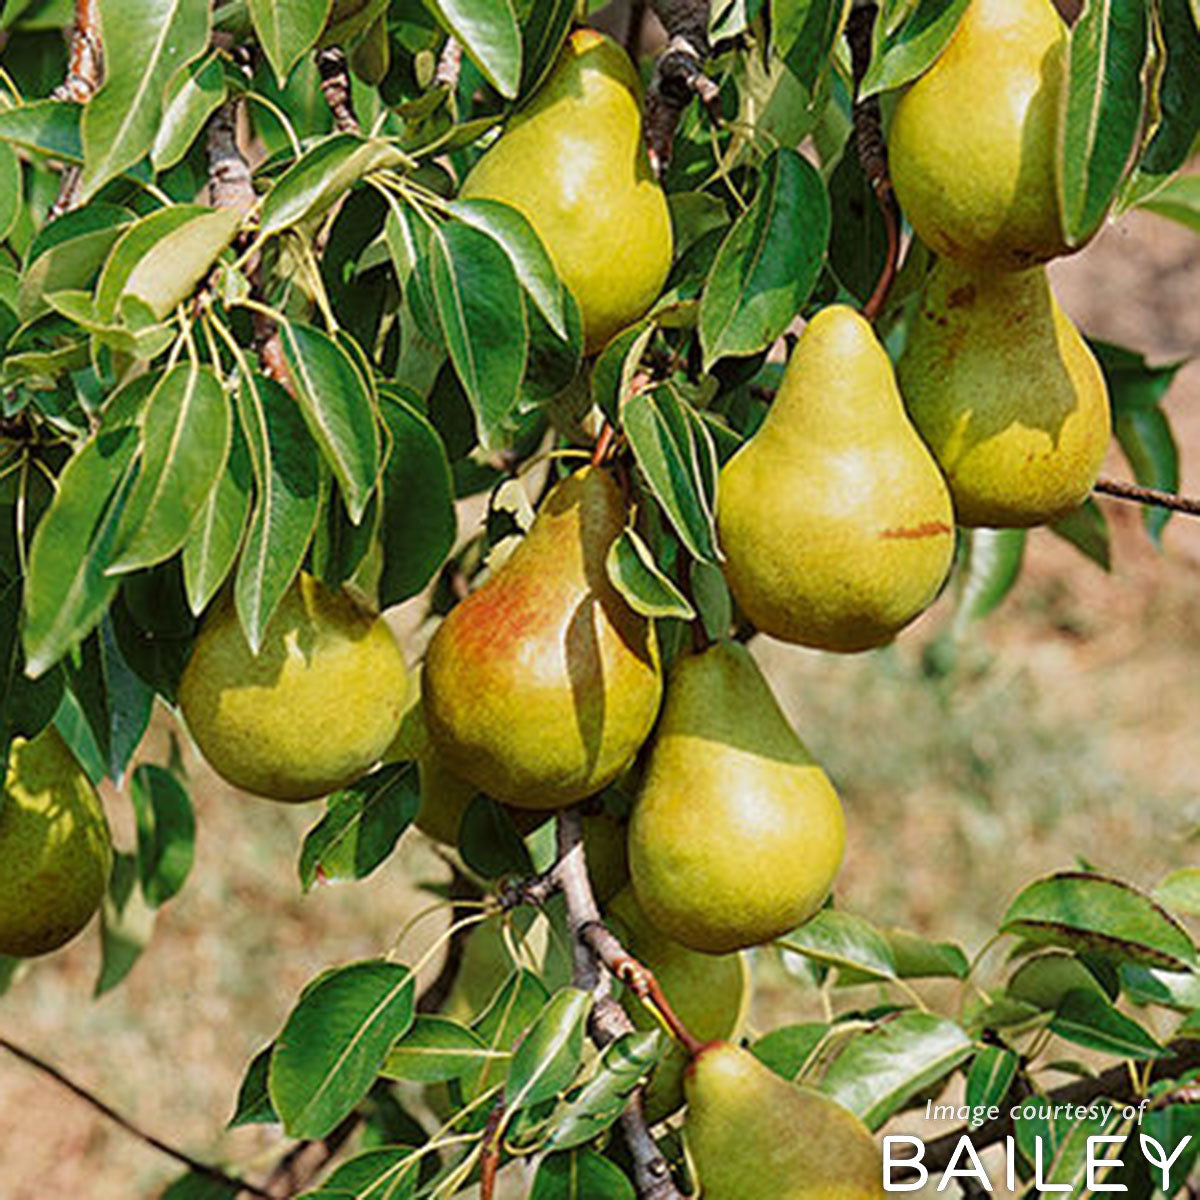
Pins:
x,y
312,711
753,1135
972,143
540,686
55,847
738,834
835,522
1007,395
573,162
710,993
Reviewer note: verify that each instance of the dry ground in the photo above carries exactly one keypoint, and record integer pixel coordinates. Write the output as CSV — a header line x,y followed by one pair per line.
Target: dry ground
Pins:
x,y
1066,729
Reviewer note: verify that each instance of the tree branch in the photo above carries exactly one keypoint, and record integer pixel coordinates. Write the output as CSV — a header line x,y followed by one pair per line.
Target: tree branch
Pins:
x,y
193,1164
678,76
337,89
1117,1084
84,71
1153,497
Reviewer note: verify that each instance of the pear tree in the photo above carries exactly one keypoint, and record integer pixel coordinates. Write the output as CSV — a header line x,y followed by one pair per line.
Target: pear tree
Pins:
x,y
607,338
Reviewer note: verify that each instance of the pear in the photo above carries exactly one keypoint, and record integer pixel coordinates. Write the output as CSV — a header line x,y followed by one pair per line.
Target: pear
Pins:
x,y
710,993
573,162
1007,395
835,522
55,847
540,686
753,1135
738,834
313,710
972,143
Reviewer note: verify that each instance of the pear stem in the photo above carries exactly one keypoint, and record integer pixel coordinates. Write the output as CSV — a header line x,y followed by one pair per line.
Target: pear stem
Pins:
x,y
603,443
872,152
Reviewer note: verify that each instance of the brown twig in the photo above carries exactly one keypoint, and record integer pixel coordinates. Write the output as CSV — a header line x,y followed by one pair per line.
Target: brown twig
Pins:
x,y
305,1160
872,151
193,1164
84,71
603,443
678,76
1136,494
449,66
1117,1084
634,30
337,89
489,1162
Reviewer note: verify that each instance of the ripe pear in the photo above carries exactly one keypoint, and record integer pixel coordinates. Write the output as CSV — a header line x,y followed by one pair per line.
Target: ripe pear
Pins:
x,y
540,686
55,847
835,522
710,993
573,162
1006,394
738,834
753,1135
314,709
972,143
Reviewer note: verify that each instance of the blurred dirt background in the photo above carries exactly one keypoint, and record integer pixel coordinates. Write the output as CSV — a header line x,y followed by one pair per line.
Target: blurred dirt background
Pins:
x,y
1066,729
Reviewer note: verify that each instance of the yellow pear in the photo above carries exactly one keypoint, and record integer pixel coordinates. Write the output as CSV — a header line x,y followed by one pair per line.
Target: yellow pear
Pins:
x,y
312,711
540,686
738,834
835,522
973,142
753,1135
1007,395
710,993
573,162
55,848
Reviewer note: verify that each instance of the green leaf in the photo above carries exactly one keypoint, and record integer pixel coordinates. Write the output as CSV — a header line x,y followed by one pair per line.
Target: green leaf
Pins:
x,y
1168,989
580,1175
912,46
991,1075
1180,890
881,1069
435,1050
1087,530
1087,1019
145,43
10,189
126,923
490,36
361,825
212,545
675,451
489,842
789,1051
804,33
839,939
286,505
166,832
186,432
768,262
309,188
254,1105
858,239
1091,913
418,522
339,409
195,1186
1103,113
27,706
512,1010
49,127
193,96
990,567
634,573
478,299
334,1042
1179,200
919,958
287,30
549,1055
382,1173
543,32
68,589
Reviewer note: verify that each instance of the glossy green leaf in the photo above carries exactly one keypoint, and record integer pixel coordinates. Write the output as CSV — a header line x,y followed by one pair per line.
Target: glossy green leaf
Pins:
x,y
145,43
838,939
383,1173
1103,113
489,842
27,705
580,1175
991,1076
435,1050
186,431
1087,1019
804,33
1087,530
138,241
881,1069
49,127
418,523
166,832
768,262
334,1042
917,957
789,1051
511,1012
478,299
1168,989
1180,890
543,32
338,408
549,1054
287,30
634,573
361,825
286,503
1086,912
911,47
10,188
1179,200
196,1186
178,262
126,923
192,97
254,1105
990,567
489,35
